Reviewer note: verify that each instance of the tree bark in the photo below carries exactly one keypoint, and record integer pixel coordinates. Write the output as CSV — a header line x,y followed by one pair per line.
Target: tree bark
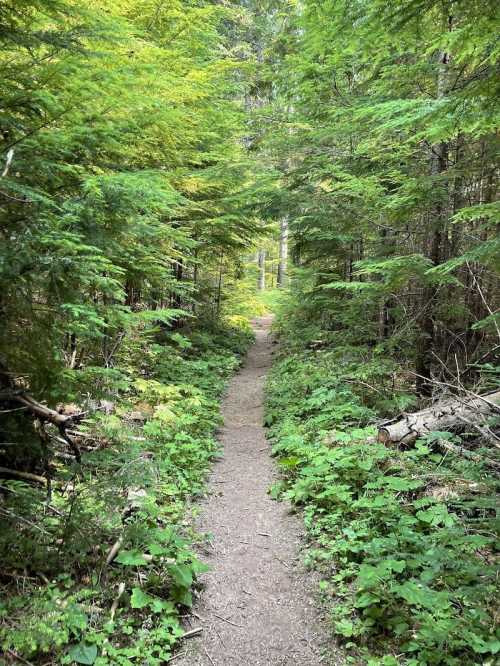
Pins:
x,y
437,228
443,416
262,270
219,285
23,475
283,254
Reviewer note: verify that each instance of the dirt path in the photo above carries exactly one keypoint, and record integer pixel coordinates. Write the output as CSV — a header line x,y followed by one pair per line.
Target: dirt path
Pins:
x,y
256,607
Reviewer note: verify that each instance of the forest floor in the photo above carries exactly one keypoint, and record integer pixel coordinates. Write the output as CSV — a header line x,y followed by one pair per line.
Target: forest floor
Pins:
x,y
257,605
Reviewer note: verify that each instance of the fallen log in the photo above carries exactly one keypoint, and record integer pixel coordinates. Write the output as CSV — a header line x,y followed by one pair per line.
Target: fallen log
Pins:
x,y
446,415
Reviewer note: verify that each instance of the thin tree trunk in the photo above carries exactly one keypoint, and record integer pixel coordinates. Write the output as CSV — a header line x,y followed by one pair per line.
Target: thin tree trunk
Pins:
x,y
219,286
179,275
438,219
283,254
195,279
262,270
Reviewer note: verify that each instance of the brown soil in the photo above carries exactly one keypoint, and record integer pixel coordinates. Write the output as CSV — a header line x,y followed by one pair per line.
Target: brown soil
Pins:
x,y
256,607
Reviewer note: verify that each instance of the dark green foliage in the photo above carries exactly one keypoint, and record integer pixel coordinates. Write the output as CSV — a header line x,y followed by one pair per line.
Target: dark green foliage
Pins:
x,y
121,175
382,125
144,148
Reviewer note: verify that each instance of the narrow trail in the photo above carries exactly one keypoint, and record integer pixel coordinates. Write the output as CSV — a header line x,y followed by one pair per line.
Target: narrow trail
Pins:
x,y
256,607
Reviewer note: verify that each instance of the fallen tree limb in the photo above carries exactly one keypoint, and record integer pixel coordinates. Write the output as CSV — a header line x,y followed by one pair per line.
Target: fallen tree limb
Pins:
x,y
23,475
445,415
485,432
114,550
42,412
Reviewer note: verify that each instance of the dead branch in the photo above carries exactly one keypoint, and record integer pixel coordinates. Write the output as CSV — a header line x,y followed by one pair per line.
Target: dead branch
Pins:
x,y
114,550
43,413
8,162
23,475
193,632
116,601
461,451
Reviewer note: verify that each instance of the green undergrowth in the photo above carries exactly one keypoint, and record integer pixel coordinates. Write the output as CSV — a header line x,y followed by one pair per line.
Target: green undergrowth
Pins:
x,y
61,602
405,539
270,299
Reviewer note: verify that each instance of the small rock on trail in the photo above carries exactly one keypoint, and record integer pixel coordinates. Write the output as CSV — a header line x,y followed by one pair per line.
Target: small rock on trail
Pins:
x,y
256,607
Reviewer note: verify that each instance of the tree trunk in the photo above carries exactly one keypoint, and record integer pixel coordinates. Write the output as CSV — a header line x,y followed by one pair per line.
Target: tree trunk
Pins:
x,y
283,255
219,286
438,220
179,275
262,270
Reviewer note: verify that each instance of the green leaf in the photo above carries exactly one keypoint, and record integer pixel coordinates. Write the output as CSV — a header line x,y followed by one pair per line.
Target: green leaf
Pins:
x,y
400,484
366,599
345,628
131,558
183,596
182,574
83,653
481,646
199,567
160,606
436,515
139,599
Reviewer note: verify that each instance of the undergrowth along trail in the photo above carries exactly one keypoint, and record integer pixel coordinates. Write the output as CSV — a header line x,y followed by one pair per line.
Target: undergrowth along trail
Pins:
x,y
404,539
102,576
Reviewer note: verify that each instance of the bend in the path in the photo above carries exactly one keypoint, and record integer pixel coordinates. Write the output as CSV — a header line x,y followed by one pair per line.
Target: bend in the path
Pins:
x,y
256,607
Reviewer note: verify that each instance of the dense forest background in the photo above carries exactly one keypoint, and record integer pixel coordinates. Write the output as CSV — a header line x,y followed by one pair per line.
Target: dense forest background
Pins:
x,y
163,164
384,127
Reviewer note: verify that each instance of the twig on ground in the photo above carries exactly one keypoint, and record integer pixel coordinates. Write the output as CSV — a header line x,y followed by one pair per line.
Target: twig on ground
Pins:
x,y
460,450
8,513
208,655
228,621
219,637
24,475
193,632
16,656
113,551
281,561
202,619
121,590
